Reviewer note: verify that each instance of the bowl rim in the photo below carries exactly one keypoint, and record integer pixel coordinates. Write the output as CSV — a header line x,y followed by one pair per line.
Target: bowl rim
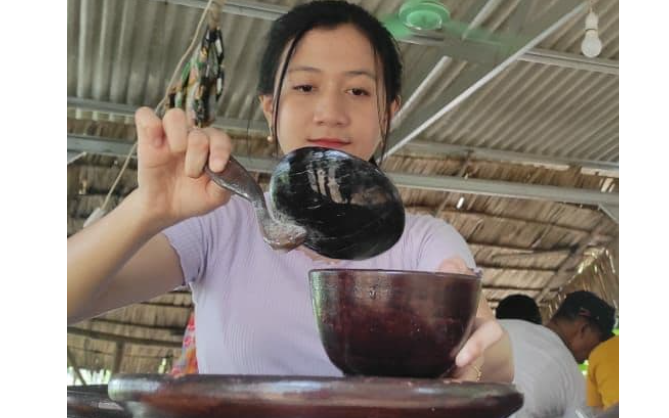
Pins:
x,y
435,274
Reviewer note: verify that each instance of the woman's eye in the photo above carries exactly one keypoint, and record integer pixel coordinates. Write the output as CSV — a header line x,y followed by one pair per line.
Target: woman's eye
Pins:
x,y
304,88
359,92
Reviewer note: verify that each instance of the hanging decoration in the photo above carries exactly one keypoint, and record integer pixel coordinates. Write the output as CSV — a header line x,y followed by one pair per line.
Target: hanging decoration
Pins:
x,y
197,92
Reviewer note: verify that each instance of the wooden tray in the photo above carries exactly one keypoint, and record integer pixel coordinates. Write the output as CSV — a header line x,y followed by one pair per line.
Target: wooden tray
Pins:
x,y
93,401
310,397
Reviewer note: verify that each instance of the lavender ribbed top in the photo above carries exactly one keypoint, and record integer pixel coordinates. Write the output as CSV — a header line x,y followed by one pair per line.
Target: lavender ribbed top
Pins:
x,y
253,312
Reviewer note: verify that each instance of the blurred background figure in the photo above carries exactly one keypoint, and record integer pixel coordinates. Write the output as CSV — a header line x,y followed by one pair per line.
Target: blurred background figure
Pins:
x,y
602,378
611,412
546,358
519,307
187,361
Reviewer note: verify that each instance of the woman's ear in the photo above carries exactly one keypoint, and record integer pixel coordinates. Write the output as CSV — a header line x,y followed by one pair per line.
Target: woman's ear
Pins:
x,y
395,106
267,105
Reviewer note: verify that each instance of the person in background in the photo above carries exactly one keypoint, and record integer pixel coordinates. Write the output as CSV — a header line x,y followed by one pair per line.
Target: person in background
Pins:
x,y
519,307
602,378
546,358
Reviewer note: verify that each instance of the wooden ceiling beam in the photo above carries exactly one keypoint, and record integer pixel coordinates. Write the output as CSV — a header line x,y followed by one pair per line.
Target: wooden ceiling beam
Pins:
x,y
122,338
175,330
563,274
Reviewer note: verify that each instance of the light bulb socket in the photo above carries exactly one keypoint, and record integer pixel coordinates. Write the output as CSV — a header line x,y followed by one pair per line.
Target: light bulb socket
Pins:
x,y
591,21
592,33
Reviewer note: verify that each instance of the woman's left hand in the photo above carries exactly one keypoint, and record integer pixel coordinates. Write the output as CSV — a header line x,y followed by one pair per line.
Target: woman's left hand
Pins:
x,y
470,359
486,332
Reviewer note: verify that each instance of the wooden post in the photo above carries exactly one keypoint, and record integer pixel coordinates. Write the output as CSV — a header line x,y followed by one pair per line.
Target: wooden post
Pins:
x,y
118,357
73,363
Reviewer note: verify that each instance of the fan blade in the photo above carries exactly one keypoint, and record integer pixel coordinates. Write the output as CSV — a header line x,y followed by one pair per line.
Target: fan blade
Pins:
x,y
396,28
462,30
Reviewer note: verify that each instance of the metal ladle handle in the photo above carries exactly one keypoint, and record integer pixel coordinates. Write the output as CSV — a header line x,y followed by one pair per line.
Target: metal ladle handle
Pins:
x,y
279,235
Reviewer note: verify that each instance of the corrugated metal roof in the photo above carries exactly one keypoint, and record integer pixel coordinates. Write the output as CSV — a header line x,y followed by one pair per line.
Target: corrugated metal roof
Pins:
x,y
125,51
541,109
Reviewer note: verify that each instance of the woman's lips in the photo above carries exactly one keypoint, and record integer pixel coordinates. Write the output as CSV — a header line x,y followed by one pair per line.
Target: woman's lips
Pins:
x,y
328,143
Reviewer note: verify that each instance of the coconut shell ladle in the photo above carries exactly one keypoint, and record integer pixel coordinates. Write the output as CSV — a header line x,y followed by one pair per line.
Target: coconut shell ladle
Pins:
x,y
336,204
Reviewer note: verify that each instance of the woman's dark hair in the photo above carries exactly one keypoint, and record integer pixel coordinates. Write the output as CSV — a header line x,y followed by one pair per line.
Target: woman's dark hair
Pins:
x,y
329,14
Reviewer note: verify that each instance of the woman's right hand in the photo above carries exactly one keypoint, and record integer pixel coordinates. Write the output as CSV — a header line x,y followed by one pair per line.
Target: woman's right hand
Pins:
x,y
171,160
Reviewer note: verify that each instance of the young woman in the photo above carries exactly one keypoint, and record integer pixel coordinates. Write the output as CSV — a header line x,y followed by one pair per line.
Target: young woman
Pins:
x,y
330,77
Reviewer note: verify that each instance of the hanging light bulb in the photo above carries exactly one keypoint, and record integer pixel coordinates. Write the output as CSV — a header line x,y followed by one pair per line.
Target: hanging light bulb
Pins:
x,y
591,45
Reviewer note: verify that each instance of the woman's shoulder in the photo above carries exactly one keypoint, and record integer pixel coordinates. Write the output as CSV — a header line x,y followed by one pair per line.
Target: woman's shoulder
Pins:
x,y
428,241
420,224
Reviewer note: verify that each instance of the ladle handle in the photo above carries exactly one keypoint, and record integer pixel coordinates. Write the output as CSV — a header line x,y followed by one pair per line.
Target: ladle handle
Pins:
x,y
280,236
236,179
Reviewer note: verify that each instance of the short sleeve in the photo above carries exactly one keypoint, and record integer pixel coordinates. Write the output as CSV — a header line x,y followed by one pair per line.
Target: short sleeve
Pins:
x,y
206,243
189,239
436,241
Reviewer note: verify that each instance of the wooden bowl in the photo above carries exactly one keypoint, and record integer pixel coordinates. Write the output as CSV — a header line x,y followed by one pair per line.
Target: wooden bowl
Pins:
x,y
393,323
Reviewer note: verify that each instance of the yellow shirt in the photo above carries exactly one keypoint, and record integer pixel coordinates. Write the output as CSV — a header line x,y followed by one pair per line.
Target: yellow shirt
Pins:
x,y
602,384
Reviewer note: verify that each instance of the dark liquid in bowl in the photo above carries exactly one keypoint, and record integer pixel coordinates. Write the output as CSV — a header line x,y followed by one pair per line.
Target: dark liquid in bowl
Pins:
x,y
402,324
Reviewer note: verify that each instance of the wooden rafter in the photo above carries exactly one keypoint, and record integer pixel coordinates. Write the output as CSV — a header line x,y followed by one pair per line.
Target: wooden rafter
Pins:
x,y
122,338
563,273
75,366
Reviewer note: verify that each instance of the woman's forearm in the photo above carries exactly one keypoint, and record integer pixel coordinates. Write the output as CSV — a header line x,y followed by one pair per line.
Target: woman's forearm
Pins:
x,y
97,253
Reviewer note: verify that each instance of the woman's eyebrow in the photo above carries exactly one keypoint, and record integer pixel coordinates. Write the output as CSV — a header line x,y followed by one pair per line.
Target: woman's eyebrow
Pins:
x,y
350,73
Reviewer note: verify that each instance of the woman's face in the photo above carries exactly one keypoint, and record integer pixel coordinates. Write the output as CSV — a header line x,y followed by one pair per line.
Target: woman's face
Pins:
x,y
331,94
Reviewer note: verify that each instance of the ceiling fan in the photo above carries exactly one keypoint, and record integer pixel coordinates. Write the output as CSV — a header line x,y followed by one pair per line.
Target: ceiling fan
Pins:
x,y
423,16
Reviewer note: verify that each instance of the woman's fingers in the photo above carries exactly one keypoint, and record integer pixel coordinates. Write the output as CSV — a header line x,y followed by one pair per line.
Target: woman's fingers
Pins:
x,y
471,372
172,140
454,265
150,136
176,128
201,146
197,153
220,148
486,333
206,146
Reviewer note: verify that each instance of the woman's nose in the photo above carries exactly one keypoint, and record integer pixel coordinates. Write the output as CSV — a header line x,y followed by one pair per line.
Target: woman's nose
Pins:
x,y
331,109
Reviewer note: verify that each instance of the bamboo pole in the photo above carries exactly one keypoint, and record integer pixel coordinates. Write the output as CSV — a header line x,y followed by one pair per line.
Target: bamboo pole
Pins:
x,y
73,363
